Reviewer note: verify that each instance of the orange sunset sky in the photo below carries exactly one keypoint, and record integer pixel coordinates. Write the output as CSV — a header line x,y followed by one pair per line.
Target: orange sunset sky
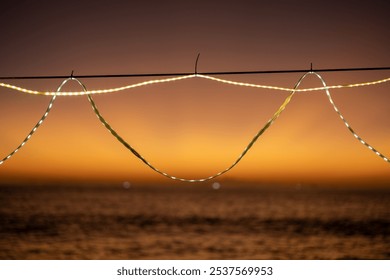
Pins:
x,y
195,128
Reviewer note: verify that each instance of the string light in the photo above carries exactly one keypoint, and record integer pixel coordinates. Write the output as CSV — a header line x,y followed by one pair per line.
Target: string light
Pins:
x,y
28,137
150,82
39,123
251,143
138,155
98,91
247,148
371,148
288,89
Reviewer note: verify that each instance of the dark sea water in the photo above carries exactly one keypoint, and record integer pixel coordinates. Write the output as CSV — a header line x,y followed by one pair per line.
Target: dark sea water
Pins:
x,y
197,222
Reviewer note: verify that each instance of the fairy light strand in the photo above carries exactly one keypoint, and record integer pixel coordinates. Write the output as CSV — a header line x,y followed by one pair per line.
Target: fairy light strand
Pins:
x,y
371,148
150,82
247,148
288,89
138,155
38,124
28,137
98,91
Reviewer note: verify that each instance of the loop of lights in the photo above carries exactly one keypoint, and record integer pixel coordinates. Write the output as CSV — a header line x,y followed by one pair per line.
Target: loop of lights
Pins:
x,y
150,82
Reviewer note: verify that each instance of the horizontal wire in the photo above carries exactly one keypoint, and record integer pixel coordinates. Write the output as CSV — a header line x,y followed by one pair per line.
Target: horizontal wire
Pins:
x,y
188,73
102,91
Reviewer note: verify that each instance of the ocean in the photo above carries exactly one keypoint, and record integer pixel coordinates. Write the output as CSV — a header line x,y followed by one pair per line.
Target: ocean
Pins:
x,y
193,222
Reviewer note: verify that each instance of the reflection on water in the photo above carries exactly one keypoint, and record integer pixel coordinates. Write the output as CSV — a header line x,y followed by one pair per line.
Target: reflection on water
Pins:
x,y
198,222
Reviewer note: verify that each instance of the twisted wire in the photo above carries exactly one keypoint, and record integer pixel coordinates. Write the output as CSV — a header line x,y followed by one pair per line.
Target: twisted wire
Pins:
x,y
150,82
28,137
138,155
371,148
288,89
38,124
98,91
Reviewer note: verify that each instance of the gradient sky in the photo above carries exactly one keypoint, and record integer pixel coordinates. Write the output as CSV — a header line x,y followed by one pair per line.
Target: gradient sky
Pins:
x,y
195,128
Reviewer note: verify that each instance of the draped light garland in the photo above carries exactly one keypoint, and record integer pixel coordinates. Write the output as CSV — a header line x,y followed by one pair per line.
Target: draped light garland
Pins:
x,y
159,81
281,108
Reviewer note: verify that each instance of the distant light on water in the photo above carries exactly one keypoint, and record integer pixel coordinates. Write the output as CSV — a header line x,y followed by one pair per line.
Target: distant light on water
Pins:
x,y
216,186
126,185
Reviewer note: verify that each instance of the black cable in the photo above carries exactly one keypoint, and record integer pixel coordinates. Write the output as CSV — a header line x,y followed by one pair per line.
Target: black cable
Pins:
x,y
187,73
